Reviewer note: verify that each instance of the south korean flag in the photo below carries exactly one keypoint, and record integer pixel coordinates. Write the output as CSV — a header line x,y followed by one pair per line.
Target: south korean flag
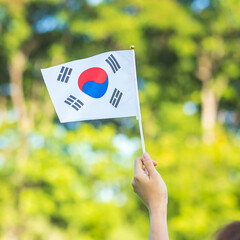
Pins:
x,y
98,87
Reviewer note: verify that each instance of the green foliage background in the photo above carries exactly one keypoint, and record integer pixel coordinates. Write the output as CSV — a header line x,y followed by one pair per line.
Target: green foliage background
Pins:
x,y
73,181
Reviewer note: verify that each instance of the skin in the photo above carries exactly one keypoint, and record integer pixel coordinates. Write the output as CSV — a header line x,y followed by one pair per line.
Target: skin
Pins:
x,y
150,187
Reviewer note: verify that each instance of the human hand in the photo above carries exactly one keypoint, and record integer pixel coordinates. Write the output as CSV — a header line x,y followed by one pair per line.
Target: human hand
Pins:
x,y
149,185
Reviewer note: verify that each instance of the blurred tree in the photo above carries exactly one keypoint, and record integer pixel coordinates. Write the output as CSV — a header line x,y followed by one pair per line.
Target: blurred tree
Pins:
x,y
217,57
72,181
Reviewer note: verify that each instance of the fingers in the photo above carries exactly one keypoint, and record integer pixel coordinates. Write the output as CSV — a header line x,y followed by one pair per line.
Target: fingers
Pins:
x,y
138,169
148,163
138,165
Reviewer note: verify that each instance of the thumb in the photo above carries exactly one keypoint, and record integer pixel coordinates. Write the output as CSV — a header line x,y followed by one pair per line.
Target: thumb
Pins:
x,y
147,161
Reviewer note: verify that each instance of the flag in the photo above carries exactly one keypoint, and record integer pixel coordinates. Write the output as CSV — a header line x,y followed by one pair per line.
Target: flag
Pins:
x,y
98,87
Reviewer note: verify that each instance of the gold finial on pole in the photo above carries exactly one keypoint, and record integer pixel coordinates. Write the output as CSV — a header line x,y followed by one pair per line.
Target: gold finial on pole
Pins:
x,y
132,47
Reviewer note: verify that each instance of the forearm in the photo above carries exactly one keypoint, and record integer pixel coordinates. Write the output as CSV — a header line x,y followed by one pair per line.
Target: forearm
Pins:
x,y
158,224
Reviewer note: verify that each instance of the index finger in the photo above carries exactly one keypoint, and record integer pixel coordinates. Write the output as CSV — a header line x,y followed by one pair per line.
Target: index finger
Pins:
x,y
138,165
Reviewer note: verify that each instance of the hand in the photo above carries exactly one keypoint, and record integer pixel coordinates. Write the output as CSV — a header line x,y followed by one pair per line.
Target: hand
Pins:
x,y
149,185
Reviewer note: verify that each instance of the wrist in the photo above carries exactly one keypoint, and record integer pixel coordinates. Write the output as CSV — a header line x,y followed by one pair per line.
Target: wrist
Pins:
x,y
159,208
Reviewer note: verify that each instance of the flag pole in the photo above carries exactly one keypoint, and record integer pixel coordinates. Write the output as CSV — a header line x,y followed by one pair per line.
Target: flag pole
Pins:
x,y
141,134
139,118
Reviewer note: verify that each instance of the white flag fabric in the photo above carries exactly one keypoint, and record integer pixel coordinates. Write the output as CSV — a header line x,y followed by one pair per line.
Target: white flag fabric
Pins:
x,y
98,87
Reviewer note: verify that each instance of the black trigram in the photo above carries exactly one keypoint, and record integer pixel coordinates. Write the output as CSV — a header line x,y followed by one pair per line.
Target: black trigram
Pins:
x,y
64,74
74,102
113,63
116,97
